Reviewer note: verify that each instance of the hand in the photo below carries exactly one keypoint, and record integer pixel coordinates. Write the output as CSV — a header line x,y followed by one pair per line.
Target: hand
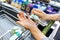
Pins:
x,y
29,24
25,21
39,13
45,16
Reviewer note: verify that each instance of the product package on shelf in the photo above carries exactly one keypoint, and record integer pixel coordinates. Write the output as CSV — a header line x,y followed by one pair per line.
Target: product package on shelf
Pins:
x,y
54,3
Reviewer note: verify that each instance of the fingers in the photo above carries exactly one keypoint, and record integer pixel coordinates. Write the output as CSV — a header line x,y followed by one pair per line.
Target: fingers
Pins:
x,y
21,16
33,11
37,13
20,23
40,11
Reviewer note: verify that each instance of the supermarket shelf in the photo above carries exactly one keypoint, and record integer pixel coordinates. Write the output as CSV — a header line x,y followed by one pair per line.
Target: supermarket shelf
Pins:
x,y
9,10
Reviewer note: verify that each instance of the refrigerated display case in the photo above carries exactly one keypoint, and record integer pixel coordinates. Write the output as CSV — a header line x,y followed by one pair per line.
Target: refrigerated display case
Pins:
x,y
10,13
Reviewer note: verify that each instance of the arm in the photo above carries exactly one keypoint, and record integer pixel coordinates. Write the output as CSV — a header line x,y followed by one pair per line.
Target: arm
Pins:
x,y
46,16
30,25
51,17
37,33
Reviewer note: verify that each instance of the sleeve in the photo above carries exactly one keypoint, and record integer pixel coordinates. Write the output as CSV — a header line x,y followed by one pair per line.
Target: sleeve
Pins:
x,y
46,38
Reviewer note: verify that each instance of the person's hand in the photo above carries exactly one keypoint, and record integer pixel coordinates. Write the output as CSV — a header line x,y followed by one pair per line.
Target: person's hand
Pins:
x,y
39,13
45,16
30,25
25,21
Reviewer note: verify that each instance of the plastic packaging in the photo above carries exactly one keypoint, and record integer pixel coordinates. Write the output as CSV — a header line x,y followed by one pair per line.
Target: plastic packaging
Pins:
x,y
47,28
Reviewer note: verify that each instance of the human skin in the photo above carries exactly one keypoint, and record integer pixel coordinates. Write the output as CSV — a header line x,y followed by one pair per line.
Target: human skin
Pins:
x,y
30,25
45,16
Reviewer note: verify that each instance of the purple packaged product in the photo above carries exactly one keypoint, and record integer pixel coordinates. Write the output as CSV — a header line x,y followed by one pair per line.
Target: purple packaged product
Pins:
x,y
55,10
35,6
51,10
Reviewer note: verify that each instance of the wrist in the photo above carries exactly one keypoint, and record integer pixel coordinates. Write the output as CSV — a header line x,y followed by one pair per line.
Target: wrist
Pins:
x,y
33,28
37,33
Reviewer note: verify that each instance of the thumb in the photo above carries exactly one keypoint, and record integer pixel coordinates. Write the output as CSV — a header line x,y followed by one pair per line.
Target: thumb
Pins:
x,y
20,23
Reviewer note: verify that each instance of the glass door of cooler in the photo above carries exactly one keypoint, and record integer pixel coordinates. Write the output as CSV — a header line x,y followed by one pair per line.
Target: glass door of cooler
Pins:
x,y
6,26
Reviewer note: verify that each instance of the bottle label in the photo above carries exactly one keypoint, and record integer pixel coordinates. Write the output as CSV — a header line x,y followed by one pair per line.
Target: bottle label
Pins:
x,y
18,34
23,6
27,8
